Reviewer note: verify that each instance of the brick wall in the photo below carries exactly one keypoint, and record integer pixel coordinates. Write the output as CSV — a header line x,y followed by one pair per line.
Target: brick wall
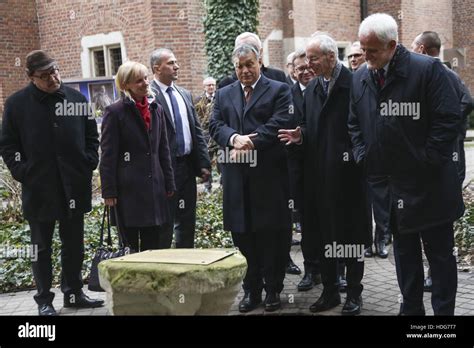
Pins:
x,y
421,15
18,36
59,25
178,25
339,18
270,25
145,26
463,37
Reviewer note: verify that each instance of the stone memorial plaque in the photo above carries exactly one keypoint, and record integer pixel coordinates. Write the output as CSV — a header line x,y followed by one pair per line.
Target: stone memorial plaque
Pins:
x,y
178,256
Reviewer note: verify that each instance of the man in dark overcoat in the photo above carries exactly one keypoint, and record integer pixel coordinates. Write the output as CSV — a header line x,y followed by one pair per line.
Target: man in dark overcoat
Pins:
x,y
404,122
335,205
246,118
49,142
304,74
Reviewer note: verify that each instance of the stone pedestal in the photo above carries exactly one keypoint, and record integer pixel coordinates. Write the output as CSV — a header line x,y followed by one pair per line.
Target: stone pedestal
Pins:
x,y
154,288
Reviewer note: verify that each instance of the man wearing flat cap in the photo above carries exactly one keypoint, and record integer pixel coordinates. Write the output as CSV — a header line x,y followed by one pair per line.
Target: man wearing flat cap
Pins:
x,y
52,151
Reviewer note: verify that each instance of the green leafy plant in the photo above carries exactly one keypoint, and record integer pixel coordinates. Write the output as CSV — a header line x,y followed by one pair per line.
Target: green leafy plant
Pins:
x,y
209,222
223,22
464,229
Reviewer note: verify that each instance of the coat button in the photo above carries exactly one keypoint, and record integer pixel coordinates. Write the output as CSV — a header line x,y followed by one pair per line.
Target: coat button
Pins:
x,y
148,154
149,175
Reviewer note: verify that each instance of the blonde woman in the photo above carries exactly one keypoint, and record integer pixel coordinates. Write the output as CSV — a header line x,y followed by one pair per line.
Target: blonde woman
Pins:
x,y
135,167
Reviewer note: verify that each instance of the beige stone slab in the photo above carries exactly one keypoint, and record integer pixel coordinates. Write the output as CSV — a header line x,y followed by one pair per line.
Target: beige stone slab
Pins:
x,y
178,256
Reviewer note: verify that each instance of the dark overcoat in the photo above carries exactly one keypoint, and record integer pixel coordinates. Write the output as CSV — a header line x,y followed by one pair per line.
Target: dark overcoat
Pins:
x,y
266,184
49,142
414,150
295,158
335,198
135,165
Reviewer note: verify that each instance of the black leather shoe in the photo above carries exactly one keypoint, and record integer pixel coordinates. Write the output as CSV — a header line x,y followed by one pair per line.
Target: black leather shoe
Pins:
x,y
325,302
81,301
352,306
272,302
46,309
381,250
428,285
368,252
291,268
309,280
250,302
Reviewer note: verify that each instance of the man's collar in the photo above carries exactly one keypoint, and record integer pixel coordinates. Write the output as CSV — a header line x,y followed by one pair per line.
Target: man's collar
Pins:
x,y
253,86
41,95
385,68
162,86
302,87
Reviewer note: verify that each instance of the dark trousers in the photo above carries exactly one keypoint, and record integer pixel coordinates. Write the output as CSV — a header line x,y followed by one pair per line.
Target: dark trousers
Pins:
x,y
266,252
354,275
71,233
182,206
379,205
146,238
309,250
438,243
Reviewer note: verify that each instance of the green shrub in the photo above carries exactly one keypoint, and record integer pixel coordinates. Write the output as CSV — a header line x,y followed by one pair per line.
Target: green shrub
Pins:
x,y
16,274
223,22
471,120
209,222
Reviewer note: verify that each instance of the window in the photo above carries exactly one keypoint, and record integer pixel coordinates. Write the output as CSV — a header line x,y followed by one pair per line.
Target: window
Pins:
x,y
105,60
341,53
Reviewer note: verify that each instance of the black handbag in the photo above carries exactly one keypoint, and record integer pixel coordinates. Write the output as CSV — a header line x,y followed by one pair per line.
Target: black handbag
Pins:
x,y
106,253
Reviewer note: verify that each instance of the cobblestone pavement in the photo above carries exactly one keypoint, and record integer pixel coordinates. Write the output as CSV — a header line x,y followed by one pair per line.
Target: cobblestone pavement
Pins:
x,y
380,295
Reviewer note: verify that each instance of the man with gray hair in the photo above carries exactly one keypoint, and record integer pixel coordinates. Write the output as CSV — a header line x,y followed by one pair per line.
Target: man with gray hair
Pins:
x,y
253,40
404,120
334,197
290,70
246,118
203,105
188,148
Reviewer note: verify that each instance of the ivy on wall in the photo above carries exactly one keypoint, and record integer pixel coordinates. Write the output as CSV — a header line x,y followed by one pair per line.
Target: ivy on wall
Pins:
x,y
223,22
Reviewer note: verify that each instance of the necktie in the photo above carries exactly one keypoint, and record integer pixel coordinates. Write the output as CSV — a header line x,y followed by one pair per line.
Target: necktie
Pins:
x,y
380,75
326,87
248,93
178,122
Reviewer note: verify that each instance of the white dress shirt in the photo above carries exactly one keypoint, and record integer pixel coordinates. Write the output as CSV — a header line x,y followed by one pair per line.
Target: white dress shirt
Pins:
x,y
188,144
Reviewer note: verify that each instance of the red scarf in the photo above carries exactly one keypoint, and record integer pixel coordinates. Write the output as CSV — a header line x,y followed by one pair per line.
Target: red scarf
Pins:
x,y
144,111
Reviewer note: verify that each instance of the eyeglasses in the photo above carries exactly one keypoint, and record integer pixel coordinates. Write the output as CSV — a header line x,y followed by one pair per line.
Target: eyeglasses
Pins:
x,y
355,55
45,76
302,68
